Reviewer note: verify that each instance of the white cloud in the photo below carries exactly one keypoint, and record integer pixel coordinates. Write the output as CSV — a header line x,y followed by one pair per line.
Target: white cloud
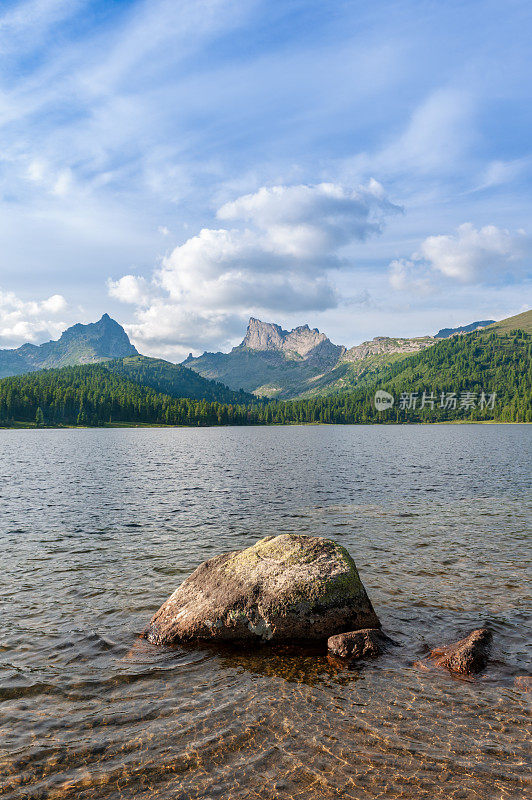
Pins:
x,y
29,321
301,220
474,254
165,328
276,259
471,255
129,289
437,135
57,182
62,183
407,276
55,304
499,172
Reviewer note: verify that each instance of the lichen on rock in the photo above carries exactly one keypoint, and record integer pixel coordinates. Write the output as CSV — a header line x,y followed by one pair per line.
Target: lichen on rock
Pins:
x,y
283,588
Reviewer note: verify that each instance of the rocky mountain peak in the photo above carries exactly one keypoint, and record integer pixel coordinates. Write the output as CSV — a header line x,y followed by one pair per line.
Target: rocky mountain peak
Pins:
x,y
79,344
302,340
263,335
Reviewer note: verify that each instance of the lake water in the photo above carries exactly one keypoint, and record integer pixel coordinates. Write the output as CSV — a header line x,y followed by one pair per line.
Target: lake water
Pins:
x,y
99,526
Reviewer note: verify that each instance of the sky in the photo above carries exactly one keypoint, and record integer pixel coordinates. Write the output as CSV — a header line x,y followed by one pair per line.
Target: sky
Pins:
x,y
185,164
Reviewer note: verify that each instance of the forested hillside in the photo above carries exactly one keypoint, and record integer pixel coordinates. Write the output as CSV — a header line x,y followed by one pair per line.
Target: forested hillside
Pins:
x,y
96,395
474,377
175,380
492,363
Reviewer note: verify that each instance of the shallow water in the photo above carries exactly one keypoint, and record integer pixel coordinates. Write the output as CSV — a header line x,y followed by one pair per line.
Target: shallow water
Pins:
x,y
99,526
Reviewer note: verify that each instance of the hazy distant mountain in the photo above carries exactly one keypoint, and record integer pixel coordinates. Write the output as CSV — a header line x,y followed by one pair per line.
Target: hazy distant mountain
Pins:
x,y
80,344
473,326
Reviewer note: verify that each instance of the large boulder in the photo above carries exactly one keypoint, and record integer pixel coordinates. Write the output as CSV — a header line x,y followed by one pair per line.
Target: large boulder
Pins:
x,y
283,588
467,656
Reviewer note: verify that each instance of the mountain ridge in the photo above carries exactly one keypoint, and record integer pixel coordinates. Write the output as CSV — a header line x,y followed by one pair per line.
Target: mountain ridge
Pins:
x,y
79,344
487,372
444,333
301,363
270,362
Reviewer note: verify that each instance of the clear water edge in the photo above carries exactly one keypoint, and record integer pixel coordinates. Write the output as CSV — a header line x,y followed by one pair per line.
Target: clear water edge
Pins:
x,y
99,526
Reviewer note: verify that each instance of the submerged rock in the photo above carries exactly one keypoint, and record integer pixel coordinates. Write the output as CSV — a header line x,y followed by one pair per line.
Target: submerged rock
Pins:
x,y
466,657
365,643
283,588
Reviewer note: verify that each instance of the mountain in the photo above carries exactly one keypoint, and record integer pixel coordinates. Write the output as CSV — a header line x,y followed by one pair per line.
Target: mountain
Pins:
x,y
444,333
303,362
301,342
496,361
80,344
361,364
270,361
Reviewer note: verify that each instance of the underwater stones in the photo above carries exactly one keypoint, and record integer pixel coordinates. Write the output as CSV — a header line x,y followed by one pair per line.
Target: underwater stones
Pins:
x,y
467,656
354,645
283,588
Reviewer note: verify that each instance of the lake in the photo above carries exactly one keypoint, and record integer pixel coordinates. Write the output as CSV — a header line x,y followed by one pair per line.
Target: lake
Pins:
x,y
99,526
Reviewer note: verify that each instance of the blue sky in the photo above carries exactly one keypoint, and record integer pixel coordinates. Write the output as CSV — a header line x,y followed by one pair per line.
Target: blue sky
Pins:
x,y
363,167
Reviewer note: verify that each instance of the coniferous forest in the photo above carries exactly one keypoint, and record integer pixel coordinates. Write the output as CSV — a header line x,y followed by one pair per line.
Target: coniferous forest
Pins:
x,y
472,377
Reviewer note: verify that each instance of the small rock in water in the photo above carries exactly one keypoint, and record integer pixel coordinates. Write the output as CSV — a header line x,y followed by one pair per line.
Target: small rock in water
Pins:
x,y
466,657
285,588
365,643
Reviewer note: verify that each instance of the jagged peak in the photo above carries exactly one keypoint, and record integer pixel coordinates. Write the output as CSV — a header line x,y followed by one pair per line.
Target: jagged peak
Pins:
x,y
303,340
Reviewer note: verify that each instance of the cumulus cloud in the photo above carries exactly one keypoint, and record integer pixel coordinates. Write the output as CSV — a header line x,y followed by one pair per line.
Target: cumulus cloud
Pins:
x,y
300,220
471,255
29,321
274,258
474,254
129,289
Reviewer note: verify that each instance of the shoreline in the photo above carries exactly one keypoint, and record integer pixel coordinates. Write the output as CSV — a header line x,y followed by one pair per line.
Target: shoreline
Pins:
x,y
31,426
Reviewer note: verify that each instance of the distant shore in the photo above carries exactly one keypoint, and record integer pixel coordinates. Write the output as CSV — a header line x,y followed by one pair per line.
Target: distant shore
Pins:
x,y
108,425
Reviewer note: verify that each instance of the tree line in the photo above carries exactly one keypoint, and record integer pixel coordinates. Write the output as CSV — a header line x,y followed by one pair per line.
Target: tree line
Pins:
x,y
96,395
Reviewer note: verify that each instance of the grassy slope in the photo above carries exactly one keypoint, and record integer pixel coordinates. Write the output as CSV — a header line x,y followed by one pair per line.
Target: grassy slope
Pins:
x,y
521,322
350,375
